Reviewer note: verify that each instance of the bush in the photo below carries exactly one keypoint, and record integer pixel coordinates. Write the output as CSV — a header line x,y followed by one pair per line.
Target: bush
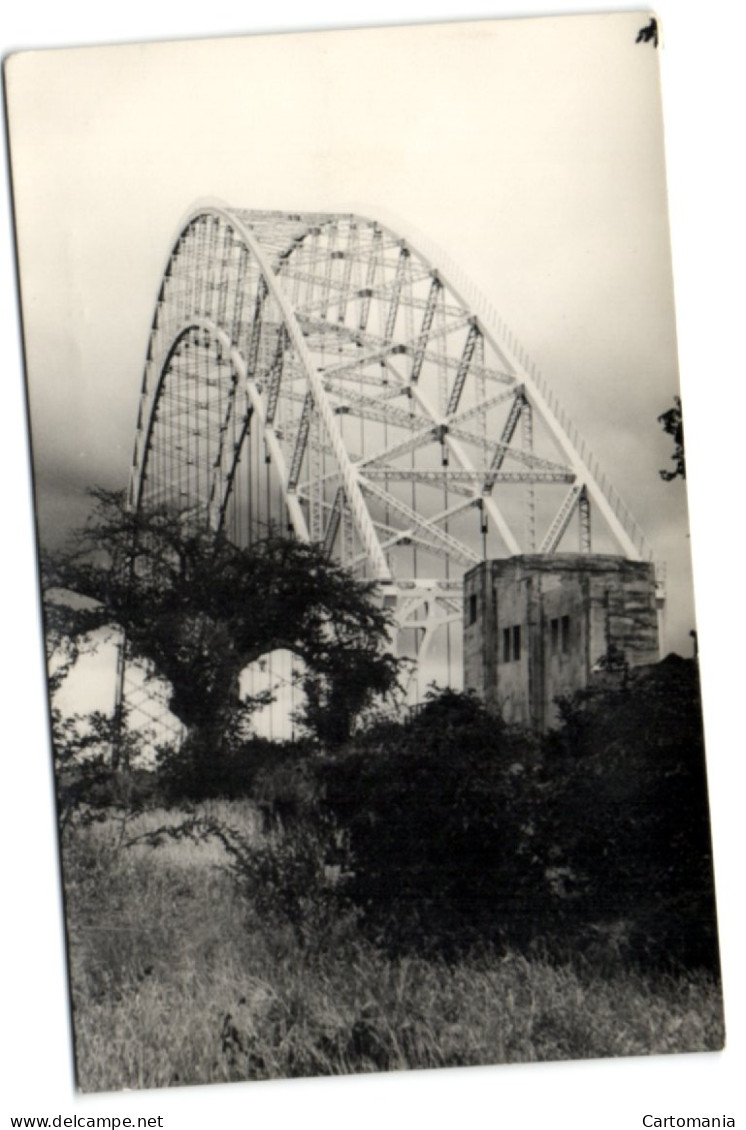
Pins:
x,y
434,825
454,828
237,770
88,787
291,889
626,816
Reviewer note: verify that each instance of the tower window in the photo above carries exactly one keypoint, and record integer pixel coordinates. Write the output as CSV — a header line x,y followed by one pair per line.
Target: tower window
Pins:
x,y
554,630
511,643
565,626
473,608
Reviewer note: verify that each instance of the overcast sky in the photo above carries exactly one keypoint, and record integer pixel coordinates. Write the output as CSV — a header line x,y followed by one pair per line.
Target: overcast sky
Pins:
x,y
531,150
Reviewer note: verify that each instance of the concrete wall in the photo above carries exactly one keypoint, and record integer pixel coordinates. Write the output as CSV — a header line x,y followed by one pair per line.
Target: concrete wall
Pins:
x,y
536,626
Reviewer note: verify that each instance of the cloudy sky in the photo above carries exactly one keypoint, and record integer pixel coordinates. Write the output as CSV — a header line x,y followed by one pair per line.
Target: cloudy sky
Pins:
x,y
530,150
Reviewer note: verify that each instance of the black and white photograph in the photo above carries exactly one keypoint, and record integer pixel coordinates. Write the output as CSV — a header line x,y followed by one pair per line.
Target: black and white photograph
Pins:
x,y
375,718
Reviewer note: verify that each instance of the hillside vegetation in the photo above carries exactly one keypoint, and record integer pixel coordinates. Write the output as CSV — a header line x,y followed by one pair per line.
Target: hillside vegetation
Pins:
x,y
440,891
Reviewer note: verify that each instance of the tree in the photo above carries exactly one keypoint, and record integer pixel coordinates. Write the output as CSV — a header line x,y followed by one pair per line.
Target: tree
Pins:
x,y
649,33
673,425
198,609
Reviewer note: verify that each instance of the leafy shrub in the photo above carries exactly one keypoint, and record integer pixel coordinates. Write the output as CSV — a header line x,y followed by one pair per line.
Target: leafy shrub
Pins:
x,y
88,787
238,769
290,887
626,816
435,820
283,878
455,828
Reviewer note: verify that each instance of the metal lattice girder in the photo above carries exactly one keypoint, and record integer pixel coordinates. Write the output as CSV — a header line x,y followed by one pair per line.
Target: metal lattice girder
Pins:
x,y
561,520
377,408
366,293
396,294
300,443
463,368
427,322
434,533
333,525
505,439
419,530
275,375
327,373
449,476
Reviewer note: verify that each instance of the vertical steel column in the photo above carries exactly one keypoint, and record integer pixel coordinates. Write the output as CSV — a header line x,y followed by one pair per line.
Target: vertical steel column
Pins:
x,y
527,427
584,521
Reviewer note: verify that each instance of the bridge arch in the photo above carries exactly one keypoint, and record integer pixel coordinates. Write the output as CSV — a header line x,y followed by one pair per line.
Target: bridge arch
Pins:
x,y
324,374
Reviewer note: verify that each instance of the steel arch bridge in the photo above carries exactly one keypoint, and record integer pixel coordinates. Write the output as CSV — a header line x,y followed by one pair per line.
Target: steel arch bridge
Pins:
x,y
326,375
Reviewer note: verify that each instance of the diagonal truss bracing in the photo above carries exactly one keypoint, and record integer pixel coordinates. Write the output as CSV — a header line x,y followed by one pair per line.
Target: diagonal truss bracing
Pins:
x,y
325,374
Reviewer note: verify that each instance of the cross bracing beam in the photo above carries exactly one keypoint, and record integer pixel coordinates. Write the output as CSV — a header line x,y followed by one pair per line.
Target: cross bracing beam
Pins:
x,y
438,536
463,368
399,418
435,519
505,439
443,475
496,376
396,290
372,408
561,519
340,287
377,399
416,538
452,510
418,440
366,292
383,350
499,448
353,368
335,518
466,464
429,584
394,536
426,327
275,376
300,442
462,488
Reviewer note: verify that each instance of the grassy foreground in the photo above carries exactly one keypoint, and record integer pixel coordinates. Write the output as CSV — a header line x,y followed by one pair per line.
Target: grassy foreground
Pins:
x,y
175,981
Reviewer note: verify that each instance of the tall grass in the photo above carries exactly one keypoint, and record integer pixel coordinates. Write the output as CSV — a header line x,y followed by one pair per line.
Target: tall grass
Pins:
x,y
175,980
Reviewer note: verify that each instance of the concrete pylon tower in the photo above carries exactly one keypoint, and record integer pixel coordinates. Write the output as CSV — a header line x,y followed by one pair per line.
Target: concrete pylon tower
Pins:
x,y
537,627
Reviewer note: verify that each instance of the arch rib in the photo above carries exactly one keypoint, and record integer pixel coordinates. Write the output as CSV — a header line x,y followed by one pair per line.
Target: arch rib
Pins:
x,y
354,496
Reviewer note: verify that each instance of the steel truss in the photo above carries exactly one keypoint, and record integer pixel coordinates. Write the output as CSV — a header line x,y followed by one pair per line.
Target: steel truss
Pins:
x,y
320,374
